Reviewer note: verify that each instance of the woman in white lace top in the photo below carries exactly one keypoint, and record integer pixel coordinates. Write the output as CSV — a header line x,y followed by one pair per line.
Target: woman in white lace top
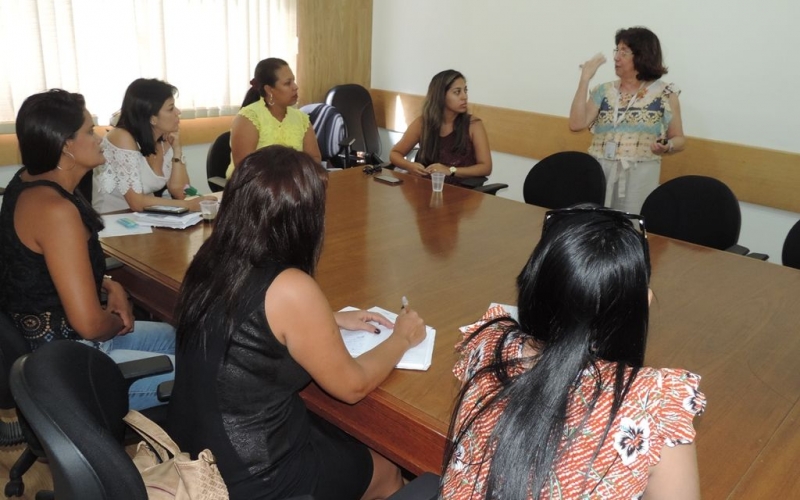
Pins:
x,y
143,153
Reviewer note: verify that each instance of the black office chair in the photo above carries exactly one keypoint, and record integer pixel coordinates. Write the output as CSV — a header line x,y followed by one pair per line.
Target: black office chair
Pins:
x,y
13,346
355,104
791,247
217,161
565,179
75,398
697,209
331,133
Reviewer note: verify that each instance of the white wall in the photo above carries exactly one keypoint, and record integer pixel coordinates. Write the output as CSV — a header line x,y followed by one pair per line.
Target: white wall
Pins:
x,y
734,60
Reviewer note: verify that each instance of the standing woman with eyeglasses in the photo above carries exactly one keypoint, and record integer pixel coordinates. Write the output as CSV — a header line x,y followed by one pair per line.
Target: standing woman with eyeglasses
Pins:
x,y
558,404
635,120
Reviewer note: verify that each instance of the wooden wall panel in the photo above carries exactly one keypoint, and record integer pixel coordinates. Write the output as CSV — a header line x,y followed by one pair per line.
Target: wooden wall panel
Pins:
x,y
334,45
761,176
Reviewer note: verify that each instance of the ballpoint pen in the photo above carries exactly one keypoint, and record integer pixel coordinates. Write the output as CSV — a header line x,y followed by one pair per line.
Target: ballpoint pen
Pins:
x,y
405,302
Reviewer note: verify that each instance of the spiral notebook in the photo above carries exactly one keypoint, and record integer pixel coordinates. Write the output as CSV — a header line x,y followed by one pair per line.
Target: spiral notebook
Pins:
x,y
417,358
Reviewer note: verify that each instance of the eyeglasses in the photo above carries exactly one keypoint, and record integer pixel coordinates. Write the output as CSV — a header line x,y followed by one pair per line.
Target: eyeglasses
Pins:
x,y
372,169
551,215
623,52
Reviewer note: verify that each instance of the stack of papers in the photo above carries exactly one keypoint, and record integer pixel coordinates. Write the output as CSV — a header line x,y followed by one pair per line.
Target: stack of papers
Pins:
x,y
114,228
181,221
417,358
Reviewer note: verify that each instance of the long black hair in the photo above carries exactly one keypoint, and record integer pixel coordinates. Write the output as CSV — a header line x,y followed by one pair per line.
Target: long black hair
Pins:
x,y
143,100
273,210
582,297
433,118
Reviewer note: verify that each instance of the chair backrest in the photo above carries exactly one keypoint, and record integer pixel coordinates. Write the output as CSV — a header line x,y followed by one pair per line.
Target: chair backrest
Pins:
x,y
74,397
694,208
791,247
328,126
12,346
355,104
218,159
565,179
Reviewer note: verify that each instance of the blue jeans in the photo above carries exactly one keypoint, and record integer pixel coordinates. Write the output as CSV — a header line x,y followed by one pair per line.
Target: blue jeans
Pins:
x,y
148,339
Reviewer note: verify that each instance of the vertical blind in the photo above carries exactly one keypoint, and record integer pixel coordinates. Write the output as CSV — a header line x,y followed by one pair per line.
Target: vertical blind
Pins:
x,y
206,48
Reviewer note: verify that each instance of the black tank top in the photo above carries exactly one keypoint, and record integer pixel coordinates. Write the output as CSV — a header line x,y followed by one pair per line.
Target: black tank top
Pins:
x,y
27,292
241,401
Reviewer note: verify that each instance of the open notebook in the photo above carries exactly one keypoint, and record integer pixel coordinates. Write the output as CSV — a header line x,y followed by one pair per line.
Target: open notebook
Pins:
x,y
359,342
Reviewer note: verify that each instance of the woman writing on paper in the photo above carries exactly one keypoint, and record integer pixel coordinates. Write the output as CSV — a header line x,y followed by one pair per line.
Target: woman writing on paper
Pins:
x,y
253,326
558,404
635,120
268,117
143,153
51,263
451,140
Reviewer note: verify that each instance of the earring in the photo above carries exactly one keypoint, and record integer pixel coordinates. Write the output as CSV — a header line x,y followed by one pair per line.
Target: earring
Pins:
x,y
58,165
270,100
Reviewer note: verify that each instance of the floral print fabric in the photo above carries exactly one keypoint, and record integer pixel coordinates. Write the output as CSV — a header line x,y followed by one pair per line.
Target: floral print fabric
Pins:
x,y
657,412
642,124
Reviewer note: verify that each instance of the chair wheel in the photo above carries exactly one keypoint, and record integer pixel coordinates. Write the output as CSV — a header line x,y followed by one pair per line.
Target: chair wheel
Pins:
x,y
15,488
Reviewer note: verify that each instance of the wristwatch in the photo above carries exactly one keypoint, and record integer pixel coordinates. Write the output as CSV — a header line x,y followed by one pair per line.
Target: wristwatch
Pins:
x,y
182,159
453,171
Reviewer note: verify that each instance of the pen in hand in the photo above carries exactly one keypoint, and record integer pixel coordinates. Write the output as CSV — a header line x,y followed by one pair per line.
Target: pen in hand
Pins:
x,y
404,300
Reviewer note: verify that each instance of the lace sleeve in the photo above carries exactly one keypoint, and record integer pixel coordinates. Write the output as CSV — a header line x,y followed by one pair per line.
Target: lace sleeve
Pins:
x,y
121,171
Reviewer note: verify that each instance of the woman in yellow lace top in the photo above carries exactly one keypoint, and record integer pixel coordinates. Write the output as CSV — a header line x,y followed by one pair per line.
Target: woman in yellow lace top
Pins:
x,y
267,116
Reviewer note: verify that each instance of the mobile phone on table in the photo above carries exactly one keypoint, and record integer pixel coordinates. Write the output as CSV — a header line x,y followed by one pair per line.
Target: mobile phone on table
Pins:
x,y
166,209
388,179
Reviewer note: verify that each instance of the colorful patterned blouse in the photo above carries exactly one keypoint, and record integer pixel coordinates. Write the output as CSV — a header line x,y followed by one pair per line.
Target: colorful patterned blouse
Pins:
x,y
646,121
657,411
289,132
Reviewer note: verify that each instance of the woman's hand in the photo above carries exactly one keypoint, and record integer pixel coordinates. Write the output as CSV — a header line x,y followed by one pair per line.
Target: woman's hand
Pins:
x,y
358,320
437,167
119,304
660,148
194,203
589,68
417,169
174,140
409,327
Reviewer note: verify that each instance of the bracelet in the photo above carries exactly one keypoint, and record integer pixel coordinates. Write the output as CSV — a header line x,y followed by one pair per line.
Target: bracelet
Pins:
x,y
107,277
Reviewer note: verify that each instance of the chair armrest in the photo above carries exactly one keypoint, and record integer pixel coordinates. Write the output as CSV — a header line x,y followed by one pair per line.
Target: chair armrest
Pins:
x,y
758,256
146,367
424,487
738,250
164,391
218,181
112,263
490,188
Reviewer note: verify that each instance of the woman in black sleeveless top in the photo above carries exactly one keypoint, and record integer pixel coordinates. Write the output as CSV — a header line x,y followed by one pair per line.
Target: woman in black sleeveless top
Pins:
x,y
51,262
254,329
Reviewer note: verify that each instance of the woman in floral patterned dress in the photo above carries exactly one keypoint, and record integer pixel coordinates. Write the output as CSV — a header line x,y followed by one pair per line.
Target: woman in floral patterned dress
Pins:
x,y
635,120
558,404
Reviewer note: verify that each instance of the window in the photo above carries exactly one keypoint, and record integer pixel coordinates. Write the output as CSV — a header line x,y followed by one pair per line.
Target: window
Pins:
x,y
206,48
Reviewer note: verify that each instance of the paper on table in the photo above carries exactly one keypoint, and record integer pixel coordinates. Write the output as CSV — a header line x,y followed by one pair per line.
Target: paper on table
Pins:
x,y
417,358
114,228
181,221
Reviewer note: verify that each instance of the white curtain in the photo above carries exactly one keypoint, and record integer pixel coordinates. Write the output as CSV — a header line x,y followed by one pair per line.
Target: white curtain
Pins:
x,y
206,48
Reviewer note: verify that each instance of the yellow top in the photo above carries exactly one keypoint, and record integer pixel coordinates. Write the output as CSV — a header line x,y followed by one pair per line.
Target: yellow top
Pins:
x,y
289,132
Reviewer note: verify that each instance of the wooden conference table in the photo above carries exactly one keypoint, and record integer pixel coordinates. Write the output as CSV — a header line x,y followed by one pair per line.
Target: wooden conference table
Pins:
x,y
731,319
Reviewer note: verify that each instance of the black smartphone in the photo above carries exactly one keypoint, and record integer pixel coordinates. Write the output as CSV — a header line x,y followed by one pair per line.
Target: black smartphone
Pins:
x,y
166,209
388,179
